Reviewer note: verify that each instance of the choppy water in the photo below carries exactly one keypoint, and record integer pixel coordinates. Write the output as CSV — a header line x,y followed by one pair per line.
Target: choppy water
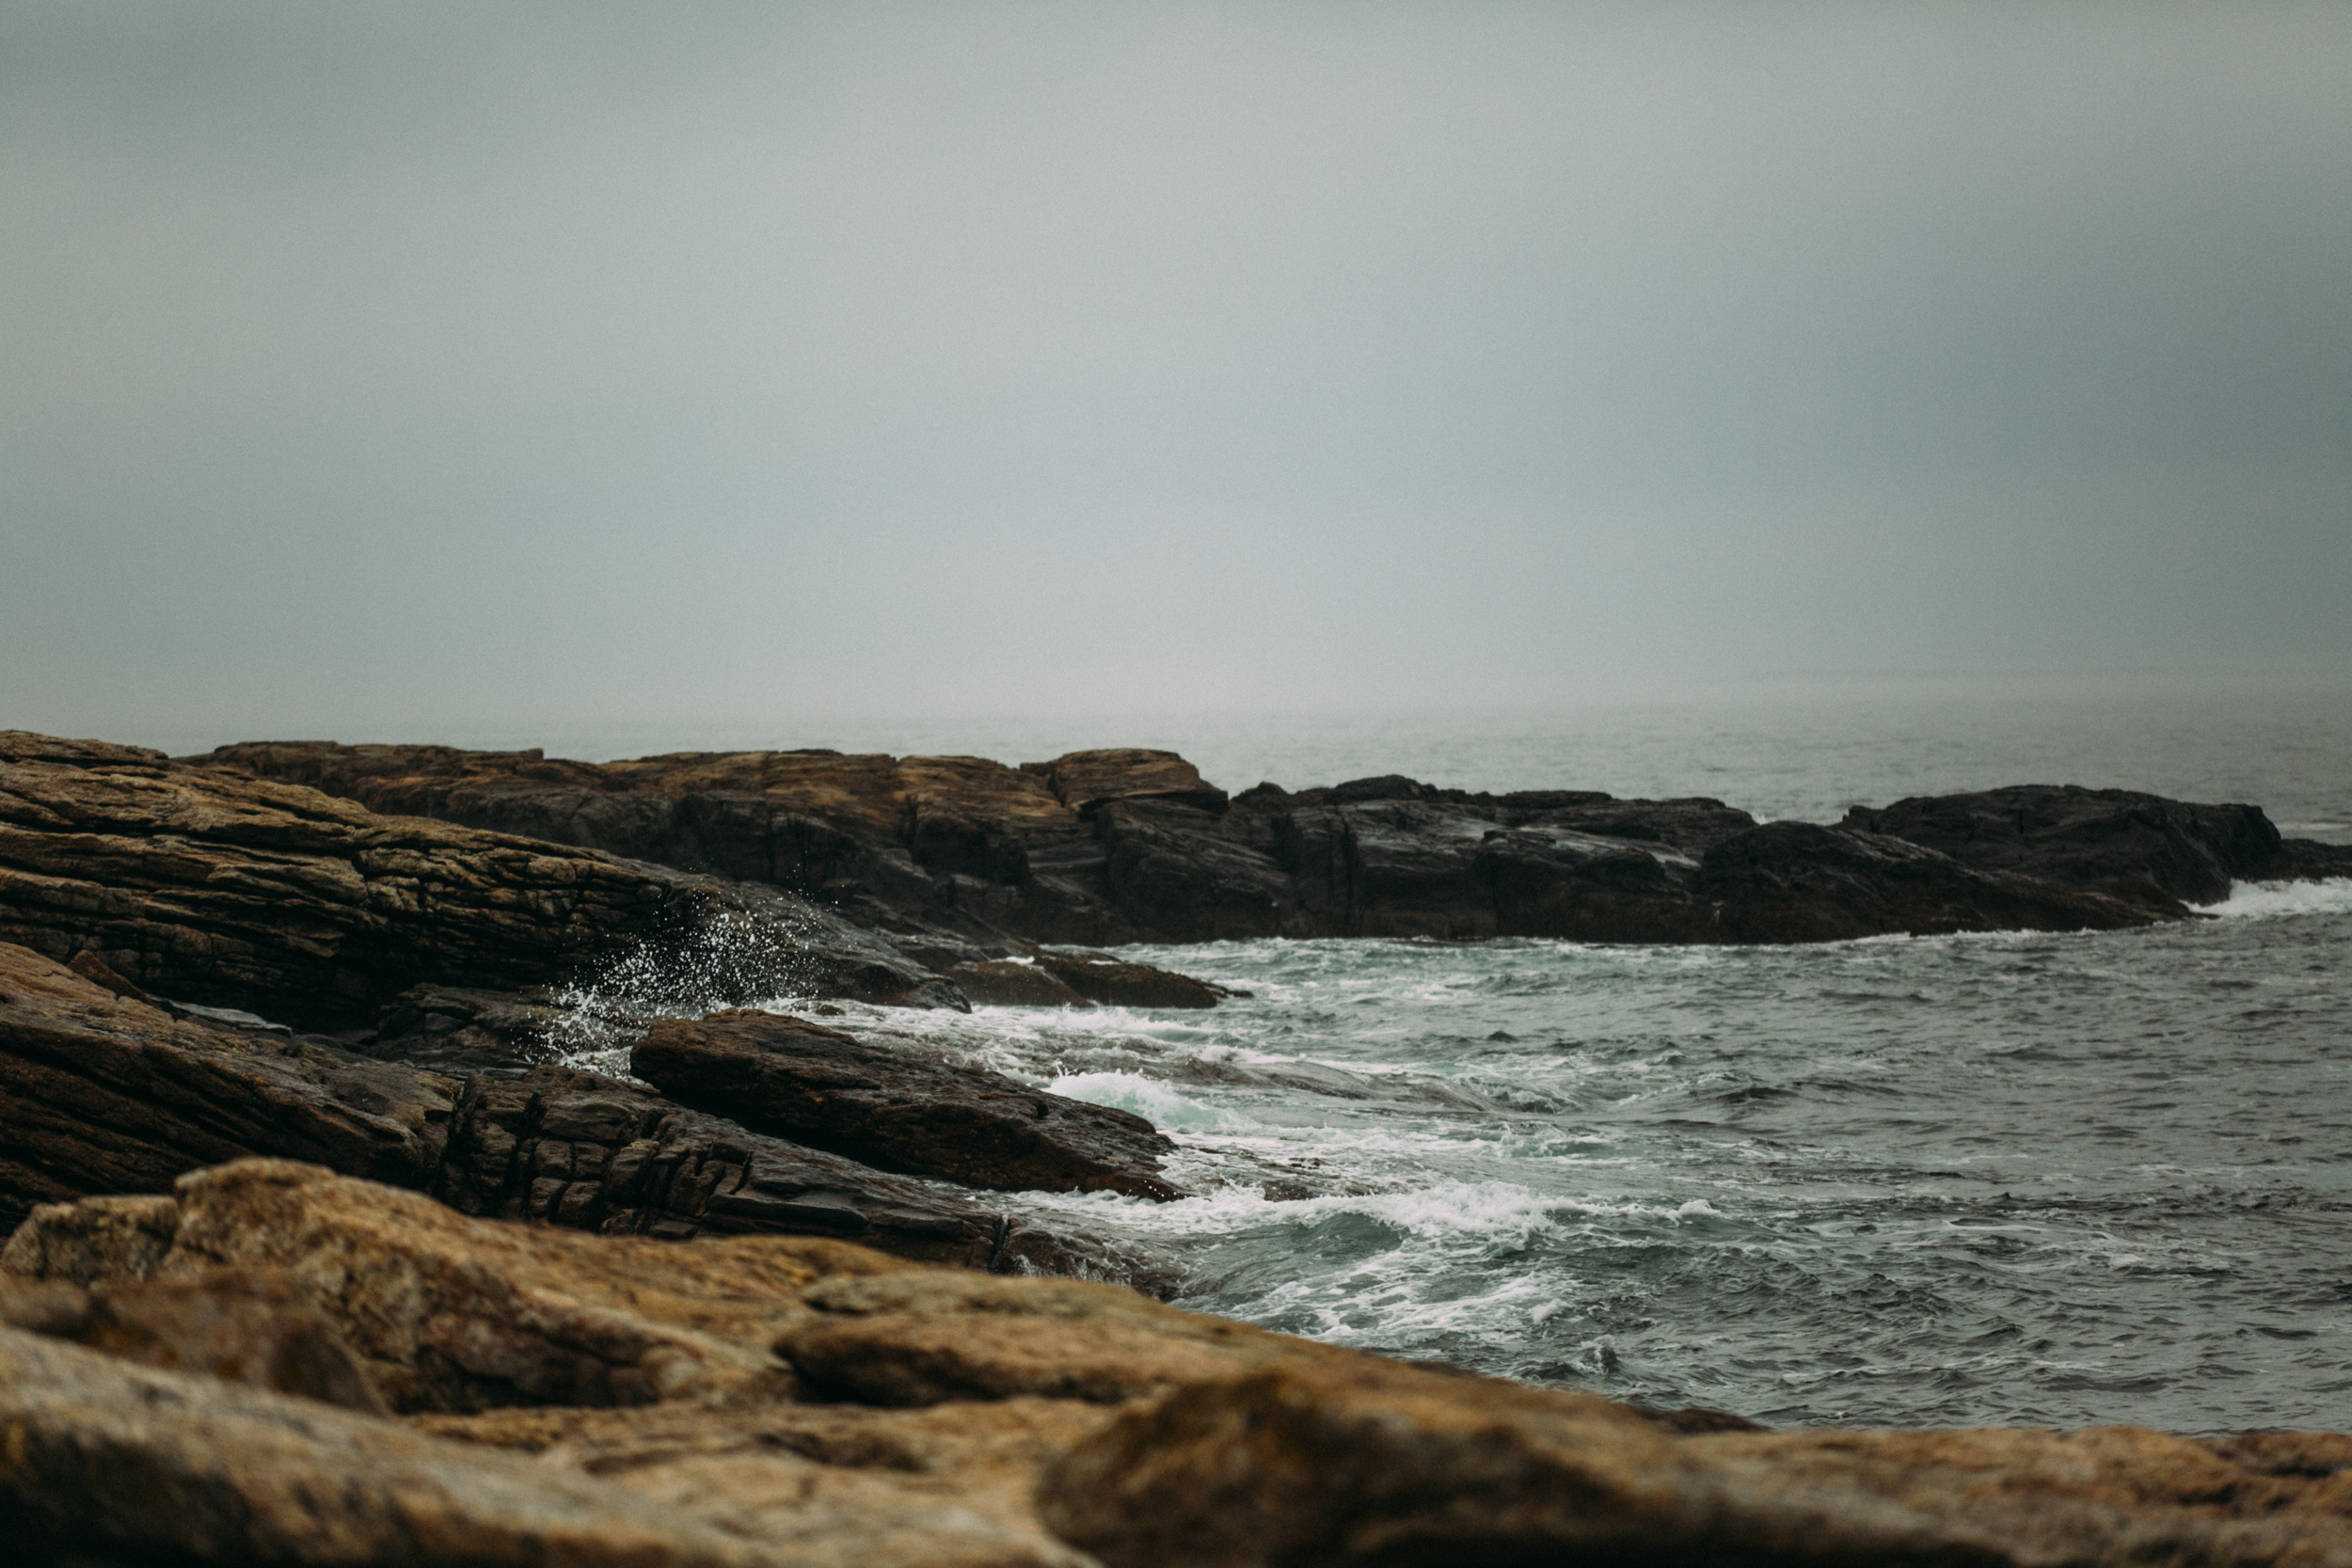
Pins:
x,y
1976,1179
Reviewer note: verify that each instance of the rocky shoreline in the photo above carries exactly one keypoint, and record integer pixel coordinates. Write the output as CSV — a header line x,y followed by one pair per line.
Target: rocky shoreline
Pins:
x,y
320,1236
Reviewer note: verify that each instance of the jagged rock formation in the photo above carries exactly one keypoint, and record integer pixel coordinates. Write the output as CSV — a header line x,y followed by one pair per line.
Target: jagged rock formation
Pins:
x,y
964,862
819,1087
103,1094
763,1401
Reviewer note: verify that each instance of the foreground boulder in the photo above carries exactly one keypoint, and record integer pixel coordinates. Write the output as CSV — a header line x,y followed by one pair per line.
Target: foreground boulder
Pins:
x,y
1374,1465
223,889
101,1094
801,1080
602,1400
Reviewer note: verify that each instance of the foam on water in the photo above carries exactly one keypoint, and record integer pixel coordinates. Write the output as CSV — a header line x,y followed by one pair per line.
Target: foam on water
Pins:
x,y
1156,1103
2022,1177
2258,899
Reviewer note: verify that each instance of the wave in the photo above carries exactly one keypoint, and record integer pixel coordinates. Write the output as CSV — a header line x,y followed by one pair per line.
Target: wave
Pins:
x,y
2264,900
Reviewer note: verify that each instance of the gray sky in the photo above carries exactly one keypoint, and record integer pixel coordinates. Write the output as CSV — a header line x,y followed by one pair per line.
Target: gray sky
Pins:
x,y
374,367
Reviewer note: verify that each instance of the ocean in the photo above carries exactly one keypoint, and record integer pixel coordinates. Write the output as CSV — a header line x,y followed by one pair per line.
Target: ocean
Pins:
x,y
1993,1179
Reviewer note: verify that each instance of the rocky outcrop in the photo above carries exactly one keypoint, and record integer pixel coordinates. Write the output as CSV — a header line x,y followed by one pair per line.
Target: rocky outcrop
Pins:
x,y
601,1399
101,1094
901,1112
964,863
2142,847
219,888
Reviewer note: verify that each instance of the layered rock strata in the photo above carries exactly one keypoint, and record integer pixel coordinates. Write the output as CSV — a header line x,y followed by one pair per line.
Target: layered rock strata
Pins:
x,y
965,863
103,1094
219,888
600,1400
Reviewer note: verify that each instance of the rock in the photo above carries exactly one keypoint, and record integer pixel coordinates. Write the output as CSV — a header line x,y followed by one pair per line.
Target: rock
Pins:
x,y
1086,780
228,890
248,1326
467,1029
108,1462
91,967
830,1483
101,1095
1385,1464
2138,846
1131,845
1184,874
451,1313
798,1080
593,1400
932,1336
1117,983
1793,881
1009,983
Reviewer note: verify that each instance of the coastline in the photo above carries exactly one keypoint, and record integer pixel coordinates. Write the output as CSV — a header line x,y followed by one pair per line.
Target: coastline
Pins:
x,y
251,969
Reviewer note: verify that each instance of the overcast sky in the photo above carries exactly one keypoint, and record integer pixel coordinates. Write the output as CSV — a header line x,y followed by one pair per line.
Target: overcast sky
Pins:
x,y
365,368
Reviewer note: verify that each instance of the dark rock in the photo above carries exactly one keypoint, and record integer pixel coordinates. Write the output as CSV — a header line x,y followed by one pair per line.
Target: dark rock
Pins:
x,y
232,891
102,1095
2306,860
1187,875
465,1029
1009,983
1117,983
1794,881
2138,846
799,1080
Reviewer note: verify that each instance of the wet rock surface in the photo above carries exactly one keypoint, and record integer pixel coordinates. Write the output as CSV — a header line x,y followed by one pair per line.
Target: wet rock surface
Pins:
x,y
605,1399
819,1087
962,862
101,1094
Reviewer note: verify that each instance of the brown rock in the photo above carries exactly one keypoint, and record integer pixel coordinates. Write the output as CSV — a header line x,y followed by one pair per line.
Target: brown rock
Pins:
x,y
249,1326
219,888
791,1078
833,1483
818,1403
1085,779
930,1337
1385,1464
448,1313
106,1461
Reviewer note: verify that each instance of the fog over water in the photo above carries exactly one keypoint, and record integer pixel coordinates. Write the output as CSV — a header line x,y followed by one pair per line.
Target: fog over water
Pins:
x,y
1802,405
421,369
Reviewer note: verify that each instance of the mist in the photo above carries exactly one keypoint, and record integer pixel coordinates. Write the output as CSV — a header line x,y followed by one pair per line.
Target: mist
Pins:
x,y
418,371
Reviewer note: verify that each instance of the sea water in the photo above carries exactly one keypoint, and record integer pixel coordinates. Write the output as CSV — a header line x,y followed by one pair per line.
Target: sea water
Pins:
x,y
1989,1179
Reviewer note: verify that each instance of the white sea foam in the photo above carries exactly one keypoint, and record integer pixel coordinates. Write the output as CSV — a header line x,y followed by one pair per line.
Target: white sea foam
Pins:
x,y
1149,1099
2259,901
